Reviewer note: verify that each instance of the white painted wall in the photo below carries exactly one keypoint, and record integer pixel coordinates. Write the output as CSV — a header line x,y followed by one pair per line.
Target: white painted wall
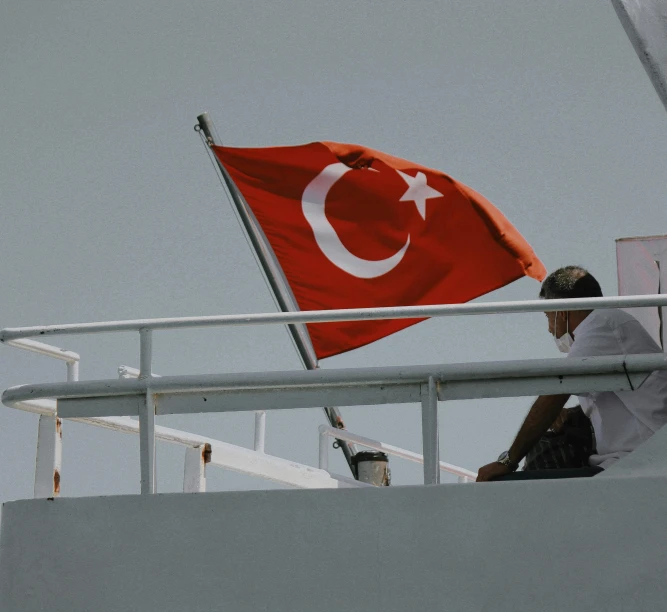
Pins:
x,y
589,544
650,459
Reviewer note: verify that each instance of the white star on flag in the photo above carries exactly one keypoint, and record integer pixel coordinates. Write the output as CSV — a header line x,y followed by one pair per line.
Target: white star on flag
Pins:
x,y
418,191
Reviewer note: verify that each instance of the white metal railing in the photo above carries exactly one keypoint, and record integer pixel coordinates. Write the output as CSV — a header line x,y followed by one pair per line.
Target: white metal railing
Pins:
x,y
48,459
276,390
150,395
71,358
260,415
199,450
327,316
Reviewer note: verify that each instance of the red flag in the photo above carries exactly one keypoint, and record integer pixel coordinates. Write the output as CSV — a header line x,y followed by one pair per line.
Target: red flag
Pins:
x,y
354,228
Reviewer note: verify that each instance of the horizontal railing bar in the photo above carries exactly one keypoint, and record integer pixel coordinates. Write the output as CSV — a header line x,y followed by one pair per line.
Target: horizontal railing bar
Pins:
x,y
381,378
250,399
539,385
130,426
46,407
393,450
122,424
45,349
328,316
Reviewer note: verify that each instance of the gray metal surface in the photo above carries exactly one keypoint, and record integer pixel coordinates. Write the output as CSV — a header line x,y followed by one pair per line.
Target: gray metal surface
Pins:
x,y
581,545
645,23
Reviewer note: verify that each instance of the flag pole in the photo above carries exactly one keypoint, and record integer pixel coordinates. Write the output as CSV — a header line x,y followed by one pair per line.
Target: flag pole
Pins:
x,y
276,279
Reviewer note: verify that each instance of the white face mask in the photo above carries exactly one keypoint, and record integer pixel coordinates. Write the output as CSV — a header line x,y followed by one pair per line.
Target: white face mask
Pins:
x,y
564,342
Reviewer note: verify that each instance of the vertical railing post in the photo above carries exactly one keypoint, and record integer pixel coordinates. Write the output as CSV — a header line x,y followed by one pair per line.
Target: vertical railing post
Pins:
x,y
260,430
430,449
48,462
147,444
49,457
147,416
194,474
72,371
145,353
324,451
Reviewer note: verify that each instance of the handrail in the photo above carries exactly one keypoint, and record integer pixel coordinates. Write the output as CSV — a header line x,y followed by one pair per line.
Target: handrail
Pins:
x,y
47,350
220,454
71,358
200,448
367,386
328,316
150,395
345,379
260,416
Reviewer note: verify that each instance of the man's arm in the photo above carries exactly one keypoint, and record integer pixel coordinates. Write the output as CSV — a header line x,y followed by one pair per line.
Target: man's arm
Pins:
x,y
544,411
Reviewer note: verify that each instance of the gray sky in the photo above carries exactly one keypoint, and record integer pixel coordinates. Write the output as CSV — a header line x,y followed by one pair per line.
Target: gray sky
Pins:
x,y
111,209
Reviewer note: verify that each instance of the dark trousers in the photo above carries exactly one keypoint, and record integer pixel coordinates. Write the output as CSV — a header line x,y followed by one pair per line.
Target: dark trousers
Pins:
x,y
583,472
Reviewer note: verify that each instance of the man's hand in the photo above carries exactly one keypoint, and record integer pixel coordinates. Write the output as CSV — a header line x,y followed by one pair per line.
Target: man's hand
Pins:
x,y
544,411
492,471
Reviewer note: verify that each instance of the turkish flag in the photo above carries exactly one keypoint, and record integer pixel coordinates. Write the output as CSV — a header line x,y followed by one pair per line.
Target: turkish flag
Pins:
x,y
355,228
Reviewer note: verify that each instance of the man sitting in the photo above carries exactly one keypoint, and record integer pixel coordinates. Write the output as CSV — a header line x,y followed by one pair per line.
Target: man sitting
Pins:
x,y
622,420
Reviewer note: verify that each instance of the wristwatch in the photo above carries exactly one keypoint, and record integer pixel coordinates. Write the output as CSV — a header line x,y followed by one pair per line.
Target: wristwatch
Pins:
x,y
505,460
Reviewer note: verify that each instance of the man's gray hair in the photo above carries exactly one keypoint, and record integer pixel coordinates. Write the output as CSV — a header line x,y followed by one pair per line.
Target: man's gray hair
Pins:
x,y
570,282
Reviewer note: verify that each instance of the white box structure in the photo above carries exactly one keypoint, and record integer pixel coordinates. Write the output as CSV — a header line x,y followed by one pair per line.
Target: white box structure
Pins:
x,y
642,270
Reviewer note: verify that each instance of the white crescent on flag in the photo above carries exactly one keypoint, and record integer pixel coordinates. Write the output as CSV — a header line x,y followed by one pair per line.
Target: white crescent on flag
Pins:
x,y
313,204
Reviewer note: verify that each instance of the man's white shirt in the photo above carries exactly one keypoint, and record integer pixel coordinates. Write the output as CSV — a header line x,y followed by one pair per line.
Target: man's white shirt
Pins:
x,y
622,420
